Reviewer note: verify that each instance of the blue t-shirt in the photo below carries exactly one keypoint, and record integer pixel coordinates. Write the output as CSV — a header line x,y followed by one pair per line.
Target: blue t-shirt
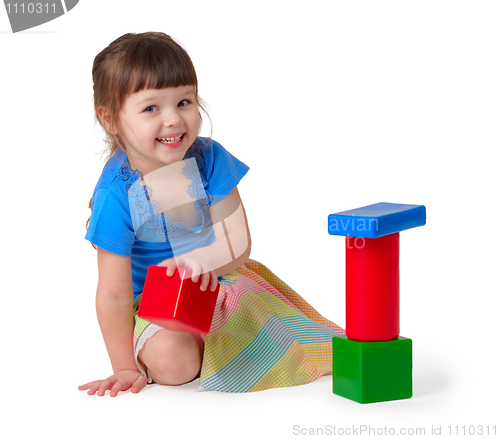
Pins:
x,y
111,226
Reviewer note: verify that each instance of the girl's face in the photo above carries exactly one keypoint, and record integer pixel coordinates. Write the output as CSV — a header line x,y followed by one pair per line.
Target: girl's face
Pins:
x,y
158,126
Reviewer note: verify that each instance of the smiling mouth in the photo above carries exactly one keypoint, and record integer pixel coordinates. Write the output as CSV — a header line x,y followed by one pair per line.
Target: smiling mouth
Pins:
x,y
170,140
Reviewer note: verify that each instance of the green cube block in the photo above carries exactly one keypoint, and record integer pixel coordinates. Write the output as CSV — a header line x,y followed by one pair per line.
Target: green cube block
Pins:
x,y
372,371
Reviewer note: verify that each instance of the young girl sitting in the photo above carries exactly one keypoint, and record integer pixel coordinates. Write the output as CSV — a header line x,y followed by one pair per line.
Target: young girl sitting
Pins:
x,y
168,197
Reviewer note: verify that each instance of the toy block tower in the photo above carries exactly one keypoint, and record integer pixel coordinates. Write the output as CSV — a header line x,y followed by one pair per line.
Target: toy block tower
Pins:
x,y
372,363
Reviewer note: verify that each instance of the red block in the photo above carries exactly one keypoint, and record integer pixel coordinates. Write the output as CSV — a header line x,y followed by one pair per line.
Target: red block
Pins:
x,y
372,288
176,303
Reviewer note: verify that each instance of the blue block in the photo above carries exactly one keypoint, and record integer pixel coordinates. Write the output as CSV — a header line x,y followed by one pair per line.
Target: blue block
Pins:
x,y
376,220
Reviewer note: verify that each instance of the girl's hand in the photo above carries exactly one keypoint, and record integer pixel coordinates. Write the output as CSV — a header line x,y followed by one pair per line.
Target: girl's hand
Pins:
x,y
119,381
198,265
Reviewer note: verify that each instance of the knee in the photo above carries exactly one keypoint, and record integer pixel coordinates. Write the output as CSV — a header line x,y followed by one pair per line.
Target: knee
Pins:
x,y
173,360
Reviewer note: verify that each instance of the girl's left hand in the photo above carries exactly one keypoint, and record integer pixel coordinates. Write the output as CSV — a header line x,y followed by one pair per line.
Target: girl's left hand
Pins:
x,y
198,265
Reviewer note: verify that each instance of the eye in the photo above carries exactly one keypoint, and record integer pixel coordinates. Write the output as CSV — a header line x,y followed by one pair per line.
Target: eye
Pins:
x,y
147,110
183,103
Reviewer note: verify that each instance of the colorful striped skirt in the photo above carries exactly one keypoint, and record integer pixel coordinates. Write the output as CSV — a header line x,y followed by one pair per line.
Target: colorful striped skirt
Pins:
x,y
263,335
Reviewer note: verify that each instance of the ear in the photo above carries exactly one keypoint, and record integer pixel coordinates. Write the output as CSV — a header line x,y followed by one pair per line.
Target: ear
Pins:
x,y
105,118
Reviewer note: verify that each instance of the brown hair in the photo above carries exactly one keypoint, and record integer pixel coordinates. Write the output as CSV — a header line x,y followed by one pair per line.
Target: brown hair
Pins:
x,y
136,62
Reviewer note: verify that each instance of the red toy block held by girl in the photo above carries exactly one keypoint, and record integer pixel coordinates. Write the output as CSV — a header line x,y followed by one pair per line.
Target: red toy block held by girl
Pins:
x,y
176,303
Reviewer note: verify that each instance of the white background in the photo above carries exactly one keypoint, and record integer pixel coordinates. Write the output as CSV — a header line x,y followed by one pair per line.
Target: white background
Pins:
x,y
334,105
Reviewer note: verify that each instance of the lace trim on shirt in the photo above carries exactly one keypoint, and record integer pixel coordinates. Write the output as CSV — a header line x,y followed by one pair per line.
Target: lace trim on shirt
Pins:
x,y
150,209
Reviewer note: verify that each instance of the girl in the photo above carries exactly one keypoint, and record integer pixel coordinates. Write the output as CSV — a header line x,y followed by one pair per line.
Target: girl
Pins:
x,y
263,334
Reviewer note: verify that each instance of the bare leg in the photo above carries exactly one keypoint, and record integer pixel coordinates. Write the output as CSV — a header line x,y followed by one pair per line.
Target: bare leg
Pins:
x,y
173,358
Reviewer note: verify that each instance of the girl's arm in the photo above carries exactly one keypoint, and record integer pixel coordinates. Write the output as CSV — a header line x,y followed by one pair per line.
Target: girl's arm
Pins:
x,y
114,302
114,305
230,250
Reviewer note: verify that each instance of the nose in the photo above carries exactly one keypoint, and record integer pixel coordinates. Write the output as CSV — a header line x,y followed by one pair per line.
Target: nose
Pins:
x,y
172,118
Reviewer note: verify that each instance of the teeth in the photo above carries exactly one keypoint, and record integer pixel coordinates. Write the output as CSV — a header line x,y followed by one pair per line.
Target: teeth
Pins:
x,y
169,139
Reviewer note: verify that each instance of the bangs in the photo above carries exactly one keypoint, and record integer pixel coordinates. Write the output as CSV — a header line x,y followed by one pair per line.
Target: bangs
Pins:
x,y
154,65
